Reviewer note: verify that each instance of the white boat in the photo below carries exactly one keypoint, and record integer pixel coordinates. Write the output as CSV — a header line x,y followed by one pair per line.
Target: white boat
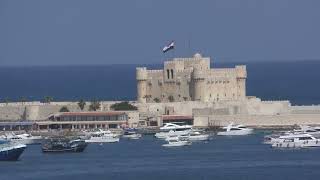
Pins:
x,y
314,131
296,141
170,129
131,135
175,142
235,130
102,136
198,136
25,138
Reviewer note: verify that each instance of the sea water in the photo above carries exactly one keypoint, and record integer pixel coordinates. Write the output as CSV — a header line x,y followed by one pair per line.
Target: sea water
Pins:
x,y
295,81
222,158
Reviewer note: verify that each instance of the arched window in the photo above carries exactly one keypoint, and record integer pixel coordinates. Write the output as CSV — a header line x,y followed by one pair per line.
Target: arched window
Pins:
x,y
171,73
168,73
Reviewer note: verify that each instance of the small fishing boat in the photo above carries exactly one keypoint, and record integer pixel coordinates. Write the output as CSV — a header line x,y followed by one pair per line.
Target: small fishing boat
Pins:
x,y
198,136
64,145
131,134
10,151
176,142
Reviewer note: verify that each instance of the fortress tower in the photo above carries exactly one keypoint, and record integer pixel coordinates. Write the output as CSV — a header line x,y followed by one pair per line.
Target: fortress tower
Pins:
x,y
198,81
241,80
185,79
142,76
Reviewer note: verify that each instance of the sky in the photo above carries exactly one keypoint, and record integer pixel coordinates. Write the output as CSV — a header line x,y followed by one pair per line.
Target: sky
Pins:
x,y
80,32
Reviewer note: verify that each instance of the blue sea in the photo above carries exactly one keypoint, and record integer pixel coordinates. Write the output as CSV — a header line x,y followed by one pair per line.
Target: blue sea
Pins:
x,y
297,81
222,158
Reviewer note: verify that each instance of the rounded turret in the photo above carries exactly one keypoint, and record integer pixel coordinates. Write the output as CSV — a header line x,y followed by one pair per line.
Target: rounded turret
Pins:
x,y
141,73
241,81
141,76
241,71
198,76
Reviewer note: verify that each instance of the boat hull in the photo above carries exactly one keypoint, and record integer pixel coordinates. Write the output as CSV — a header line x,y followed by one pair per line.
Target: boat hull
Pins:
x,y
79,148
102,140
236,133
203,137
306,144
177,144
11,154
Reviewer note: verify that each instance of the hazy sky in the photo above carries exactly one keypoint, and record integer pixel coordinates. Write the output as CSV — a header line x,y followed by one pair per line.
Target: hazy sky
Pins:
x,y
58,32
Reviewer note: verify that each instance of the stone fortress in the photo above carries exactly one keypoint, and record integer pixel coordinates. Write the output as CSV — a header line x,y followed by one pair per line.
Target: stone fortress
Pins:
x,y
191,79
185,88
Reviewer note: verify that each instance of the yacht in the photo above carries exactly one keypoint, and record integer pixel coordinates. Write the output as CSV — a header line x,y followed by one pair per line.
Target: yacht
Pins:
x,y
102,136
25,138
198,136
176,142
296,141
315,131
173,129
235,130
130,134
10,151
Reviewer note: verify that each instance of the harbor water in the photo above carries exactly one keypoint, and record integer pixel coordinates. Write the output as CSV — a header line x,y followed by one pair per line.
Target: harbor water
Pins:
x,y
225,158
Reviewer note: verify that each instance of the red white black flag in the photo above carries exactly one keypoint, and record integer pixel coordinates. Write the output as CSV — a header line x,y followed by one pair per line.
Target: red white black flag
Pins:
x,y
168,47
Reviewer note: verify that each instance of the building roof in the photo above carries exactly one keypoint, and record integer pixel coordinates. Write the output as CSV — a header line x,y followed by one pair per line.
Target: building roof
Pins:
x,y
175,117
16,123
109,113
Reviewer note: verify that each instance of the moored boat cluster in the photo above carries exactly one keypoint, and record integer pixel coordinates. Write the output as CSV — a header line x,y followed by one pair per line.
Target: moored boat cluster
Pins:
x,y
174,134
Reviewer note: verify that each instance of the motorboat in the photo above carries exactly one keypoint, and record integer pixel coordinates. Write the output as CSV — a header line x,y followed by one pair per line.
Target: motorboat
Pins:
x,y
11,151
130,134
198,136
102,136
176,142
24,138
173,129
296,141
235,130
315,131
64,145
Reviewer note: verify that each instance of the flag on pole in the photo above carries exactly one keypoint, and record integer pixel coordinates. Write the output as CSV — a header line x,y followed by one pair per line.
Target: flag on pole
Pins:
x,y
168,47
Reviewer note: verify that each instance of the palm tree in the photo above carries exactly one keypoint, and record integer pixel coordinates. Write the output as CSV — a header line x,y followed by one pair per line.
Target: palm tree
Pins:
x,y
6,100
157,100
48,99
171,98
23,100
81,104
95,105
64,109
147,97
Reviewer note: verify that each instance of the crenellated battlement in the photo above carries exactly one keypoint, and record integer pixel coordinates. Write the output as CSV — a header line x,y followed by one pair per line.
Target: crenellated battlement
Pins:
x,y
141,73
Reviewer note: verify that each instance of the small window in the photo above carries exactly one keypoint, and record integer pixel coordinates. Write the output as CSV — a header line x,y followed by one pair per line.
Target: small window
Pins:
x,y
171,73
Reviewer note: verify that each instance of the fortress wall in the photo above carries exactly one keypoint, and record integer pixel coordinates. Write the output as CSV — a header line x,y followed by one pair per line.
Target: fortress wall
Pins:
x,y
314,109
41,111
14,112
180,108
259,120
